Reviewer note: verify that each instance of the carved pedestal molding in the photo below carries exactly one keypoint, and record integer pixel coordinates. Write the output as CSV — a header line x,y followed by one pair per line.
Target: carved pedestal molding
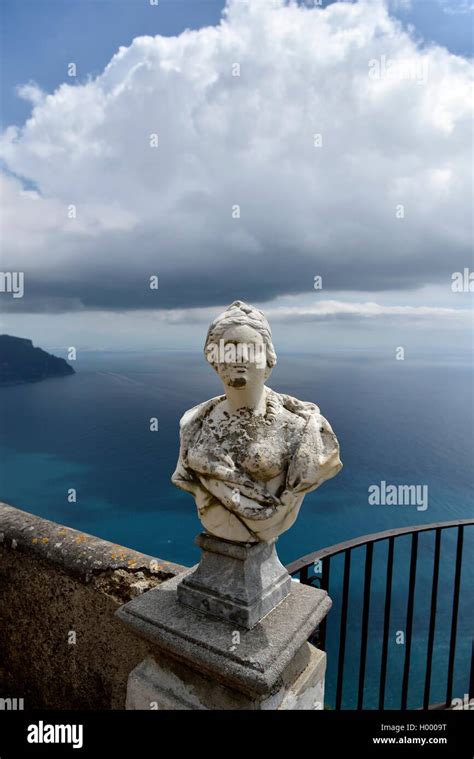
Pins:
x,y
239,582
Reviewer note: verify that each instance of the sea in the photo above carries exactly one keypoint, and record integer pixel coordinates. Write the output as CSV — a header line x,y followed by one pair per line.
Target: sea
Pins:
x,y
397,422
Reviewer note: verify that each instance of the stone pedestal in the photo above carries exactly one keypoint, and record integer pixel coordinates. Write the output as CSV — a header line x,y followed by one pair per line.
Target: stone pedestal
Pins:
x,y
239,582
206,662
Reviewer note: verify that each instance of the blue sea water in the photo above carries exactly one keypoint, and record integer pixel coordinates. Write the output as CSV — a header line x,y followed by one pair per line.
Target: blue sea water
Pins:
x,y
396,421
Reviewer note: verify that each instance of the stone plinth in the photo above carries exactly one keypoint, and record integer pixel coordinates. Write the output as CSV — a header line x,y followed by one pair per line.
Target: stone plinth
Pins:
x,y
239,582
207,663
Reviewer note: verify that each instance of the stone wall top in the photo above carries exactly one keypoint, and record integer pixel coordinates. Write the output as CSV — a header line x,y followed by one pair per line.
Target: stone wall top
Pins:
x,y
82,556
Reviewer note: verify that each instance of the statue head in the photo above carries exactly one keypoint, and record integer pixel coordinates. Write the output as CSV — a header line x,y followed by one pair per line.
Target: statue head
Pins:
x,y
239,345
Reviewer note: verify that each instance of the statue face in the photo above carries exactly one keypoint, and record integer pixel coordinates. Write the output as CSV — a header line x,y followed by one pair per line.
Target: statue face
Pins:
x,y
240,357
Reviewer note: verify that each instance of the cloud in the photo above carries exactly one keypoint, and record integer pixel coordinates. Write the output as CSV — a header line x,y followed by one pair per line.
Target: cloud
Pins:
x,y
324,310
336,309
110,210
458,7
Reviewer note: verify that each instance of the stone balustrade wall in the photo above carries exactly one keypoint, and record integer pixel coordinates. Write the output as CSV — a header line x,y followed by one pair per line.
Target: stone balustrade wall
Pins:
x,y
60,645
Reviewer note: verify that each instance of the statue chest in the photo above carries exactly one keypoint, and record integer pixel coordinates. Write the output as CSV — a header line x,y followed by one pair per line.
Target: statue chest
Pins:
x,y
257,448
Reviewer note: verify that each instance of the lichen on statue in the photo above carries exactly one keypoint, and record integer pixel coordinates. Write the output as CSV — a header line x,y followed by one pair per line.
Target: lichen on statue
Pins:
x,y
250,456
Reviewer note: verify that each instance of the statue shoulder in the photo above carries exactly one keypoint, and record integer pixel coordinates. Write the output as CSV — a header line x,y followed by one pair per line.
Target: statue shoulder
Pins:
x,y
304,409
197,413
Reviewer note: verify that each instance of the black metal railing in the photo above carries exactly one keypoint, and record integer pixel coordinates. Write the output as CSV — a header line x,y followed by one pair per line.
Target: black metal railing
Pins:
x,y
354,656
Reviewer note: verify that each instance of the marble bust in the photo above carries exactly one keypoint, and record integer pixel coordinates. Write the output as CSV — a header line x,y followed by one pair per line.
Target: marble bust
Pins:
x,y
250,456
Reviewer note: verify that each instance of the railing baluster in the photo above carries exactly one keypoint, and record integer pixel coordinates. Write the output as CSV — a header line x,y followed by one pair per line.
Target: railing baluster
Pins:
x,y
386,622
454,619
409,620
325,575
365,622
434,601
303,566
471,677
304,575
342,634
324,586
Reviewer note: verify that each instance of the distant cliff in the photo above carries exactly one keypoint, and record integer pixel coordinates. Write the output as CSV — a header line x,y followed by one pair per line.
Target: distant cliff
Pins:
x,y
21,362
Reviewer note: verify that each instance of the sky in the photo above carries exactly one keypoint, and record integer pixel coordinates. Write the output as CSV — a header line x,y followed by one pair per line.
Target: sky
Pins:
x,y
238,152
